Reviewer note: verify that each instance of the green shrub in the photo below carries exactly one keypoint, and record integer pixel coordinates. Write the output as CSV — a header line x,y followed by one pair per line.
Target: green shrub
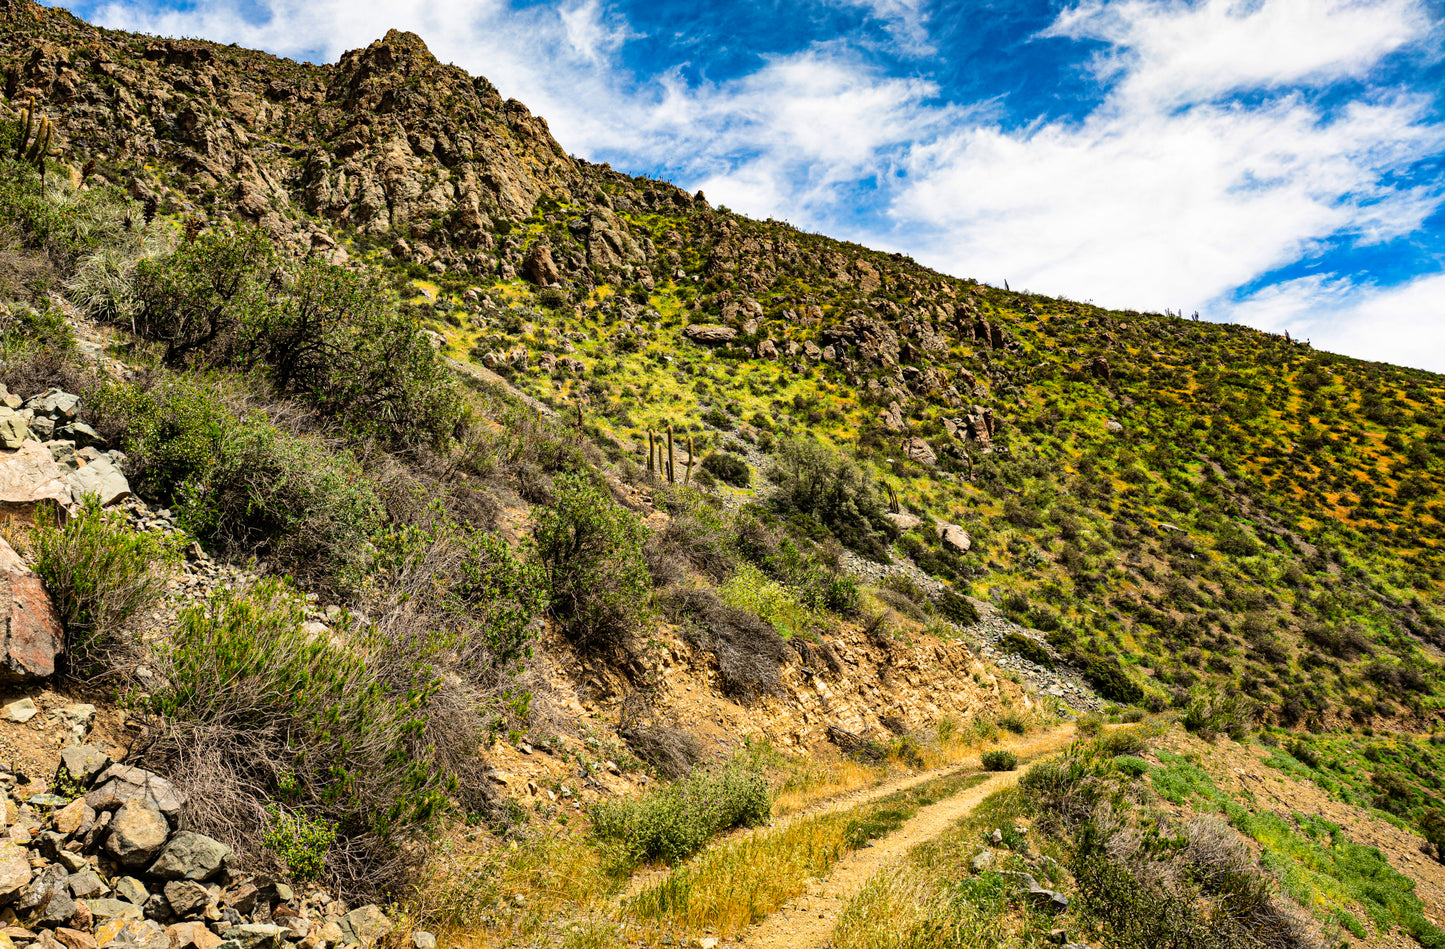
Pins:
x,y
1124,741
238,482
999,761
1090,724
324,333
728,468
816,482
100,573
1132,766
1211,714
591,551
1028,648
676,821
257,709
751,590
300,842
957,609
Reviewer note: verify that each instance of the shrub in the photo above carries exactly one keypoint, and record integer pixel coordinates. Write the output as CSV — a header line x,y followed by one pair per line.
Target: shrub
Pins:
x,y
676,821
300,843
331,336
240,483
817,482
957,609
999,761
751,590
1132,766
1210,715
341,727
1028,648
100,573
590,549
728,468
1090,724
1124,741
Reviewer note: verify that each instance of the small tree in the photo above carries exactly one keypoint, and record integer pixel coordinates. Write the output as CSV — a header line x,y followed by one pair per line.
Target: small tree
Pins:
x,y
591,550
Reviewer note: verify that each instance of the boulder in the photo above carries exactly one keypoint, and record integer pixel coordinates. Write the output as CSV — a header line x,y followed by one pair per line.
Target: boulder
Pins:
x,y
48,896
31,634
77,432
257,936
122,933
917,450
539,266
114,909
56,404
137,832
892,417
365,926
983,860
29,476
190,856
903,520
132,891
954,538
1113,427
710,334
74,818
120,784
102,478
13,430
82,764
19,711
186,897
15,871
86,884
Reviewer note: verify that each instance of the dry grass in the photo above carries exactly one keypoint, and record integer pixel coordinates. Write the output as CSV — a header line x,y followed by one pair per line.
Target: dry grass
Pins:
x,y
469,896
737,883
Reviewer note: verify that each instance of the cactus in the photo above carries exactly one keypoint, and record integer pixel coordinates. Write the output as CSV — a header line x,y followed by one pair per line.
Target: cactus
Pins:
x,y
29,115
579,420
34,151
671,478
651,452
892,499
687,478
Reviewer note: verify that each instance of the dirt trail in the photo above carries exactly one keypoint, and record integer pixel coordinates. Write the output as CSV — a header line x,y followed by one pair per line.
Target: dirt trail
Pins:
x,y
809,920
1024,747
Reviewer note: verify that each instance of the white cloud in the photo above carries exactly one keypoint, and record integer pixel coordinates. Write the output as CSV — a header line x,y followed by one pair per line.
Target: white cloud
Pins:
x,y
1403,324
1172,52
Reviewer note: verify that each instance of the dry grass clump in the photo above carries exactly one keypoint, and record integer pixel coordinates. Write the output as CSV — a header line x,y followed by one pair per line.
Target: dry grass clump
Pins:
x,y
750,653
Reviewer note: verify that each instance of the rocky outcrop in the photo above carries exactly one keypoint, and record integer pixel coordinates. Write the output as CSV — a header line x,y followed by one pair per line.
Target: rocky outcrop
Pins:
x,y
108,868
709,334
954,538
31,634
917,450
29,477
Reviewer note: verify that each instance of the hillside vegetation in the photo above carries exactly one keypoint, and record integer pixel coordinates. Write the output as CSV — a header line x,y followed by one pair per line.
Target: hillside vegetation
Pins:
x,y
492,411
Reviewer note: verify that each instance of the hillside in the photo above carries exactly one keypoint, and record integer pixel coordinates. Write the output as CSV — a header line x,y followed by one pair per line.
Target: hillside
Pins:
x,y
571,461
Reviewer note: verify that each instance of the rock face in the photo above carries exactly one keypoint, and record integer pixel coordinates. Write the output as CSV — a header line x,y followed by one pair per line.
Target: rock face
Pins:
x,y
29,476
710,334
101,478
32,632
918,450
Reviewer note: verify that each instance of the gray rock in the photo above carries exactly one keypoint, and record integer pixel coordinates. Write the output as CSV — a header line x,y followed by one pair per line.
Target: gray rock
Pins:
x,y
137,832
55,403
903,520
49,895
13,430
187,898
132,891
421,939
365,926
41,429
1049,900
710,334
982,861
190,856
83,764
21,711
78,432
86,884
121,783
256,936
1113,427
15,873
101,478
955,538
114,909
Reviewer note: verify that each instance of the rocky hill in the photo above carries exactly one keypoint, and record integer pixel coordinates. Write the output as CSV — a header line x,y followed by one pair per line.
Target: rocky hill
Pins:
x,y
444,480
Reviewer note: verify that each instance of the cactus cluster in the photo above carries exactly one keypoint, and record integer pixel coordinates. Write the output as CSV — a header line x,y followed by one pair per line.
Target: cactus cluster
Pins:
x,y
34,151
663,466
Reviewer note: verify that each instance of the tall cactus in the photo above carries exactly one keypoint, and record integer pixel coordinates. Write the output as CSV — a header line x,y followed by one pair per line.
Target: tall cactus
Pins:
x,y
651,453
671,477
34,151
687,478
892,499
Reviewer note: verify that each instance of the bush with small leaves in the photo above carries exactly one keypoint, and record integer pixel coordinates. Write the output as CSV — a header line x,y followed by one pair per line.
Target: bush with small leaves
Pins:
x,y
591,550
999,761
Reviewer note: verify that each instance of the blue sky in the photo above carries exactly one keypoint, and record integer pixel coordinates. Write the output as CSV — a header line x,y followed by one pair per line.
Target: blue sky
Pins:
x,y
1275,162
